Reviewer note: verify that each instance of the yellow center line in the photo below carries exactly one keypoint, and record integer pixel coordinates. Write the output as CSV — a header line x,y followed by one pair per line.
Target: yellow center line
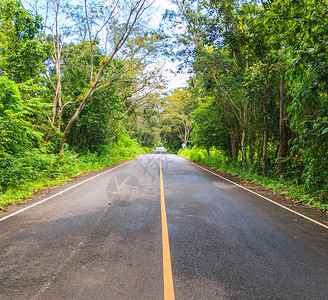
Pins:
x,y
167,269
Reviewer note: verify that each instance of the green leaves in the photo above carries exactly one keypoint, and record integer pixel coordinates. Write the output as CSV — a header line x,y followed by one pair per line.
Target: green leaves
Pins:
x,y
22,54
258,61
16,131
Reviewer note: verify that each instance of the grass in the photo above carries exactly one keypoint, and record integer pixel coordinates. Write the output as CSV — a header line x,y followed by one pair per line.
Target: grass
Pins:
x,y
218,161
39,170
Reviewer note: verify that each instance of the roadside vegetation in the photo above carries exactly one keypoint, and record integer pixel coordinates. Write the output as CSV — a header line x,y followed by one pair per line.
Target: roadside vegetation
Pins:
x,y
217,160
76,93
259,91
38,169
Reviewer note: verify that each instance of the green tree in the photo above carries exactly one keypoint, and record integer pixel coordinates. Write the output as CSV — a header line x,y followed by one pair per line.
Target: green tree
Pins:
x,y
17,134
22,53
178,109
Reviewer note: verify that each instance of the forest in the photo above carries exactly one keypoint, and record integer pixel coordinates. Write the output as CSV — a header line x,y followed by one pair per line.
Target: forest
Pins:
x,y
82,87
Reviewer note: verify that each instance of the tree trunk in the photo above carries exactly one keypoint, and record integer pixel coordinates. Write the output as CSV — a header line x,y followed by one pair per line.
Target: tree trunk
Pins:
x,y
134,15
265,143
244,118
59,116
187,129
251,150
233,143
243,146
57,101
265,153
259,153
282,129
48,135
233,149
69,125
144,139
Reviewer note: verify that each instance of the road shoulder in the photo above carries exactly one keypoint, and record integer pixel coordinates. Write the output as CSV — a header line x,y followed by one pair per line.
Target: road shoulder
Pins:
x,y
48,191
281,199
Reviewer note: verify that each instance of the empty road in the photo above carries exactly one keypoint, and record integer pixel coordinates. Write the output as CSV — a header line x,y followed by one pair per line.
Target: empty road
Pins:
x,y
151,230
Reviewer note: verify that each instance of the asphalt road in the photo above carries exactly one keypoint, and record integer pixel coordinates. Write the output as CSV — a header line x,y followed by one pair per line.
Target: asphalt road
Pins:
x,y
101,238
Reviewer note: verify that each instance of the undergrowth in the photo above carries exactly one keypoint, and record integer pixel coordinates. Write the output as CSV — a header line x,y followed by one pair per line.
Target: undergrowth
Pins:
x,y
21,177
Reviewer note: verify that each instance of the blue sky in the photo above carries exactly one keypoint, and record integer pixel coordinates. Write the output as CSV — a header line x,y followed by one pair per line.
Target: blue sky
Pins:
x,y
177,80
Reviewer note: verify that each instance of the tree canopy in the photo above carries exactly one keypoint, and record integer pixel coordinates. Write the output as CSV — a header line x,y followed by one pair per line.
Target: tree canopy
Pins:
x,y
260,72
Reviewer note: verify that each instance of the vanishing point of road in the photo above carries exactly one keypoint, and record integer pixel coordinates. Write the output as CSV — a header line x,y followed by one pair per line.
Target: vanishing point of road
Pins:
x,y
159,227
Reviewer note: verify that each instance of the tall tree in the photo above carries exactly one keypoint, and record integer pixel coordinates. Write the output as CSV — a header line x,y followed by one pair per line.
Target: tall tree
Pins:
x,y
178,109
115,21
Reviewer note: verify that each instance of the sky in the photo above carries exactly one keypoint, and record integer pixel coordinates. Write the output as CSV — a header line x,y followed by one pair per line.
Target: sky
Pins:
x,y
175,80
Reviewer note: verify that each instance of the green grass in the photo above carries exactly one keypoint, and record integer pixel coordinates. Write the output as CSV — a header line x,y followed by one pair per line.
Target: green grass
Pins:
x,y
218,161
39,170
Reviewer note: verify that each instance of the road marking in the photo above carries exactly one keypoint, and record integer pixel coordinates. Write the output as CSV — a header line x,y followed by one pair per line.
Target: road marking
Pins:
x,y
282,206
167,268
62,192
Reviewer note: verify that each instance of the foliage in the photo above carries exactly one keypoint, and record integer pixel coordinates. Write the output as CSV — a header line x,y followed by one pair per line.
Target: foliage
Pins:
x,y
16,131
145,126
209,130
260,70
37,169
176,117
21,52
52,76
217,159
257,103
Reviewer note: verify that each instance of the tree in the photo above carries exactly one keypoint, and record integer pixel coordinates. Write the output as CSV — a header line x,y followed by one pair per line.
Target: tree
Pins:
x,y
144,125
178,108
93,20
209,127
302,26
208,23
17,134
21,54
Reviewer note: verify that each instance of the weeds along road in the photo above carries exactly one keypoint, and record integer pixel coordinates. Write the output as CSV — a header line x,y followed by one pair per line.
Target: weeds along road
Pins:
x,y
128,232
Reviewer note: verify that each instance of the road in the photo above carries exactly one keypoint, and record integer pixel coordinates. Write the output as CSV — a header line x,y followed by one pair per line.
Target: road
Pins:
x,y
103,237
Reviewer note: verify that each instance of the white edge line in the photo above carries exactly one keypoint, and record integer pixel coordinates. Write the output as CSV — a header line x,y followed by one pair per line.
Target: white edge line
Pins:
x,y
290,210
64,191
